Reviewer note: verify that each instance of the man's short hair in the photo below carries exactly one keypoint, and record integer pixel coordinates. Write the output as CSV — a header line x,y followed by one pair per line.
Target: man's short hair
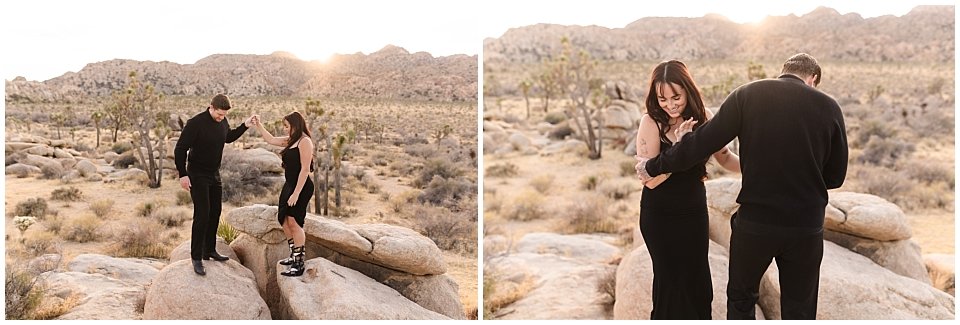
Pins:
x,y
220,101
803,65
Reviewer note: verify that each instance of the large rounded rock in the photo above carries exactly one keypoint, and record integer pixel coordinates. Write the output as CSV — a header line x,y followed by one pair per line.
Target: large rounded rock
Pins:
x,y
438,293
942,272
182,252
259,221
262,159
635,284
133,270
86,168
40,162
100,297
721,204
21,169
854,287
261,258
867,216
40,151
583,247
329,291
900,256
228,291
565,287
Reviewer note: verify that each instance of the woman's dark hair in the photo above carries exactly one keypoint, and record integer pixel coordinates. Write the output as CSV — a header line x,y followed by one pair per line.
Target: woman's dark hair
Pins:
x,y
663,75
298,127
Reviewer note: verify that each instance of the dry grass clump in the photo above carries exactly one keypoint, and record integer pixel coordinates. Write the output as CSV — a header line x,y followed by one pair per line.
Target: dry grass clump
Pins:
x,y
542,183
83,229
171,216
498,293
139,239
102,208
183,198
617,190
35,207
526,206
589,214
397,203
450,231
502,170
40,243
69,194
23,293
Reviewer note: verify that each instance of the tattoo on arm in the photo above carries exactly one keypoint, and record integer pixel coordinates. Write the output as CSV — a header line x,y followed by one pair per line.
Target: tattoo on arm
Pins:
x,y
643,146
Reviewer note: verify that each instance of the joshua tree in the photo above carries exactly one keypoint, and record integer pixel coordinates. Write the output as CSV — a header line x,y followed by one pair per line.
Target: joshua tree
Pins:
x,y
318,119
525,89
339,150
96,117
136,103
441,132
575,77
547,84
58,119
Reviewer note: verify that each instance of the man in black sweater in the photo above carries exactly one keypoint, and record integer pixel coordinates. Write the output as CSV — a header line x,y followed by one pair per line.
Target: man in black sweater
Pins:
x,y
793,147
197,156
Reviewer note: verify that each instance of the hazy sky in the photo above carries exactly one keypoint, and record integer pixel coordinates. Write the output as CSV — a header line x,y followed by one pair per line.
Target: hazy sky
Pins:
x,y
43,39
619,13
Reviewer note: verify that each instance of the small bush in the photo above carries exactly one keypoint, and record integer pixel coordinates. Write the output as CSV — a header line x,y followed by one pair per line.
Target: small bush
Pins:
x,y
628,169
589,215
384,196
83,229
102,208
146,209
404,199
542,183
139,239
590,182
69,194
885,151
526,206
448,230
502,170
498,293
23,293
171,217
436,167
617,190
555,117
359,173
121,147
51,171
371,185
183,198
35,207
54,224
607,286
446,192
242,181
40,243
125,160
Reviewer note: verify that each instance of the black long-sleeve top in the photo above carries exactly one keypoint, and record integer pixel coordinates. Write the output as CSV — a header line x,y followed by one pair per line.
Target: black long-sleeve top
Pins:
x,y
793,147
204,137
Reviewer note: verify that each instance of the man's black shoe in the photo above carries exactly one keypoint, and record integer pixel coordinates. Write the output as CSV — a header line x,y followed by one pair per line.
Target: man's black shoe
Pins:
x,y
198,267
216,257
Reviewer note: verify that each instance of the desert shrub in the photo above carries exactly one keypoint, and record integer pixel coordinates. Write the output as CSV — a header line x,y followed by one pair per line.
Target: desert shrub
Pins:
x,y
590,182
54,224
241,181
526,206
617,190
498,293
70,194
885,151
227,232
420,150
380,158
607,286
125,160
502,170
139,239
83,229
448,230
589,215
101,208
384,196
371,185
872,127
121,147
404,199
628,168
542,183
170,216
492,202
40,243
446,192
555,117
359,173
147,208
183,198
929,173
35,207
436,167
23,293
51,171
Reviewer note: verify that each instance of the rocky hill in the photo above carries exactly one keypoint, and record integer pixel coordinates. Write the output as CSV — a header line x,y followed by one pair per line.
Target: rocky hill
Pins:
x,y
391,73
925,34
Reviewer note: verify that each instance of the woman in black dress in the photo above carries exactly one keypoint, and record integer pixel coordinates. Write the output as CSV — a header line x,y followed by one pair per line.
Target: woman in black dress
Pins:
x,y
673,212
297,158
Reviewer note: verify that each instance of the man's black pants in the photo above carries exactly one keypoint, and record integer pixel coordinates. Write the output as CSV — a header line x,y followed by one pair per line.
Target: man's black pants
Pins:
x,y
206,192
798,256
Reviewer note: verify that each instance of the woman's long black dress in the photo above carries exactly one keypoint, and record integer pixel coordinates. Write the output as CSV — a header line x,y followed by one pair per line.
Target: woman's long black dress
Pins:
x,y
291,171
674,225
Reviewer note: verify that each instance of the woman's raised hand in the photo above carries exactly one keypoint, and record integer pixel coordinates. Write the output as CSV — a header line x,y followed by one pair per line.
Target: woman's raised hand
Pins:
x,y
684,128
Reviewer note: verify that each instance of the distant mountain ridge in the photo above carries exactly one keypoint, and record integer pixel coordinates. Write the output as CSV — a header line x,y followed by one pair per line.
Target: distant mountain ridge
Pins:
x,y
390,73
925,34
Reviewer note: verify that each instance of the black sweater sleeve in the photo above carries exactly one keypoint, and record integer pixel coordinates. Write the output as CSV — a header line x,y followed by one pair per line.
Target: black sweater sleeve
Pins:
x,y
187,138
700,144
835,169
234,134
